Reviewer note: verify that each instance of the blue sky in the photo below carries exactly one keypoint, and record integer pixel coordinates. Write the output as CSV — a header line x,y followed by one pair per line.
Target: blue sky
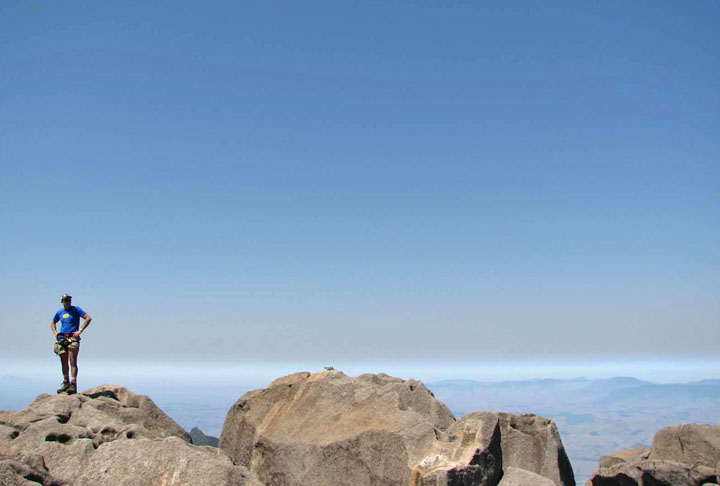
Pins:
x,y
363,180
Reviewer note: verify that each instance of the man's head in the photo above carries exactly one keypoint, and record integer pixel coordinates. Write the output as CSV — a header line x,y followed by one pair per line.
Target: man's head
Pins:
x,y
66,300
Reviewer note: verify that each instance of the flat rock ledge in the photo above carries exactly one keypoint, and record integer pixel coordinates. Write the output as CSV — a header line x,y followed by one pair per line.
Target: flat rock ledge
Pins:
x,y
106,435
329,429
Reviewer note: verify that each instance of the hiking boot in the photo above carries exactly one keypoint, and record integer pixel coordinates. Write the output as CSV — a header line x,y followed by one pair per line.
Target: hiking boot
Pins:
x,y
63,388
72,389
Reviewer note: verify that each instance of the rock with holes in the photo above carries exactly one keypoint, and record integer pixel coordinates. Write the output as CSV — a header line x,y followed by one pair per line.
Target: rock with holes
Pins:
x,y
653,472
26,469
694,444
70,434
327,428
66,429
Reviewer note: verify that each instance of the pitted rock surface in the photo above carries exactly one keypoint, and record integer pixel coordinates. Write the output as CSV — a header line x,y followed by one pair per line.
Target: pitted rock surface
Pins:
x,y
25,469
68,434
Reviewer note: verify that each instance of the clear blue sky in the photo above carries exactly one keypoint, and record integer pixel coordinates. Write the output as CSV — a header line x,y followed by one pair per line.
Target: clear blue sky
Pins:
x,y
363,180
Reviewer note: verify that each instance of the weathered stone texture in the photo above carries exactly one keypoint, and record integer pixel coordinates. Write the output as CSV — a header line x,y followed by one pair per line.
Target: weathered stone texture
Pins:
x,y
327,428
84,439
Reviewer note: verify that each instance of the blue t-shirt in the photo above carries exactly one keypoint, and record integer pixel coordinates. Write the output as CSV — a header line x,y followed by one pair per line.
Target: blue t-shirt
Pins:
x,y
70,319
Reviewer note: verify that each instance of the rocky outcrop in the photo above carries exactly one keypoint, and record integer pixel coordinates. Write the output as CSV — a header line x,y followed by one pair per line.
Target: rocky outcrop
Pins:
x,y
696,444
682,455
471,454
330,429
304,429
653,473
525,442
533,443
73,439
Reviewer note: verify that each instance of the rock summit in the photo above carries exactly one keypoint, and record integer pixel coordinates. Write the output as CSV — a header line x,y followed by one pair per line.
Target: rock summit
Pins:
x,y
106,436
328,428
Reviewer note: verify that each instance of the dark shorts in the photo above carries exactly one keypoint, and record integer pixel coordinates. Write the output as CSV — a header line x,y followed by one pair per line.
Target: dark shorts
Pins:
x,y
73,344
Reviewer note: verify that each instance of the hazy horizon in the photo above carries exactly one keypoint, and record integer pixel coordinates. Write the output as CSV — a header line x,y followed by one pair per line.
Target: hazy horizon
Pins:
x,y
261,373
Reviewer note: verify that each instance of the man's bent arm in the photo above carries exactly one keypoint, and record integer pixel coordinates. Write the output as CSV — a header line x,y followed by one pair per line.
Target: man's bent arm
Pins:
x,y
86,323
52,326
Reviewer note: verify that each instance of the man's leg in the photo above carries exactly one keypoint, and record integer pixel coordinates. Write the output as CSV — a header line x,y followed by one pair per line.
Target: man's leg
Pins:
x,y
66,377
73,355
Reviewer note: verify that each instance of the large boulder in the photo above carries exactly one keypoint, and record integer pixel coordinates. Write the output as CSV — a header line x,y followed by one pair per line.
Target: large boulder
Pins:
x,y
695,444
687,454
469,454
504,441
69,434
653,473
331,429
533,443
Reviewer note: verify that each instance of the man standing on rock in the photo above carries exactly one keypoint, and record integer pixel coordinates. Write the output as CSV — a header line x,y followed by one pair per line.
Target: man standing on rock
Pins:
x,y
67,344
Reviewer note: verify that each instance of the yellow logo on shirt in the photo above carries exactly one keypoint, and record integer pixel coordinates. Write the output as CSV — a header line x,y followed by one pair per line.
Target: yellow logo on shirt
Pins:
x,y
65,316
